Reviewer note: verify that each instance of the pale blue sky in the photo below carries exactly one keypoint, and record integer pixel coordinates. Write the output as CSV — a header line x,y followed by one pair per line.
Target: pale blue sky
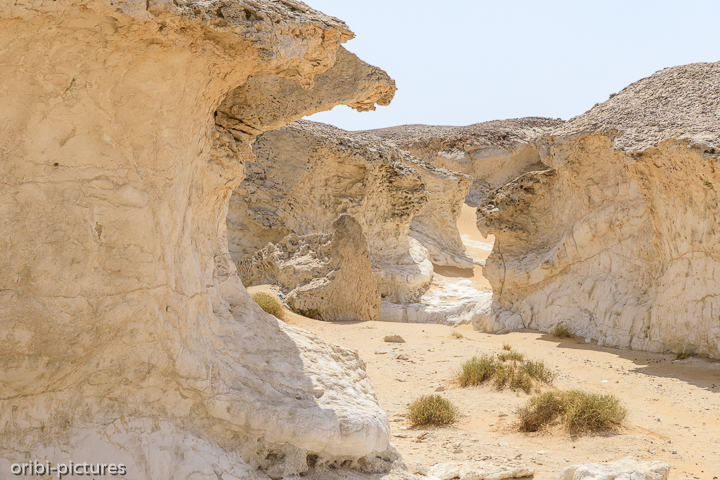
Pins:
x,y
458,62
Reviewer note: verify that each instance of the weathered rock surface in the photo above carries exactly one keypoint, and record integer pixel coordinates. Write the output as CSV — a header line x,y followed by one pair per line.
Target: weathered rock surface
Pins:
x,y
307,173
326,275
617,236
478,470
626,469
127,334
492,153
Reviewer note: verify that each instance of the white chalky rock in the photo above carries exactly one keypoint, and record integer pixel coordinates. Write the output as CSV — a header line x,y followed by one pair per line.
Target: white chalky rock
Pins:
x,y
626,469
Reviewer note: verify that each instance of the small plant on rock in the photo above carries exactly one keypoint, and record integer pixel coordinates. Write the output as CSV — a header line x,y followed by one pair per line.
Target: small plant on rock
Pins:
x,y
269,303
432,410
561,331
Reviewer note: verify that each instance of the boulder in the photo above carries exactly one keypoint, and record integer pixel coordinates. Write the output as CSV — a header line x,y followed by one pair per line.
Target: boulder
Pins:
x,y
324,276
307,173
478,470
491,153
127,334
615,236
626,469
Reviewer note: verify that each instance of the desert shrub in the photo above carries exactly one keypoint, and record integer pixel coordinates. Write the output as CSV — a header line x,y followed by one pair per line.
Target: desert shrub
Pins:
x,y
269,303
511,355
538,370
508,369
579,411
540,410
457,334
476,371
432,410
683,353
507,346
560,331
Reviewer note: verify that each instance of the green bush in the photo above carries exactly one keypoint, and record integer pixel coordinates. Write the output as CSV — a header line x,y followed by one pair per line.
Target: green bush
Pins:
x,y
511,355
579,411
269,303
561,331
476,371
509,369
432,410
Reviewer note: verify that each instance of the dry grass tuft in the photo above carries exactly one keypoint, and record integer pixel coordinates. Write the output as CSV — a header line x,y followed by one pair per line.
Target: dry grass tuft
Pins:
x,y
507,346
683,353
579,411
457,334
561,331
269,303
432,410
508,369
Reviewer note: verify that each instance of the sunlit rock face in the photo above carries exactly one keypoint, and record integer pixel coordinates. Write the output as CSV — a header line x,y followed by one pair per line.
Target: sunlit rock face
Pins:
x,y
327,276
127,335
616,236
307,173
491,153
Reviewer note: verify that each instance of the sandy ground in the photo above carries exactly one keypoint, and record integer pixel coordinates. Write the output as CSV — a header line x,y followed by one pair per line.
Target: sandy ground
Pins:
x,y
674,405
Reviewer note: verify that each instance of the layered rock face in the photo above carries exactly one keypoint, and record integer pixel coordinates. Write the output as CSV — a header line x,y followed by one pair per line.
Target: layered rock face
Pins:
x,y
492,153
306,174
127,334
326,276
616,237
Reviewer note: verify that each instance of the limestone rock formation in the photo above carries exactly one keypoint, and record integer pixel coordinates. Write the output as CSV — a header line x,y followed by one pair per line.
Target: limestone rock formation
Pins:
x,y
478,470
617,235
307,173
127,334
326,276
492,153
627,468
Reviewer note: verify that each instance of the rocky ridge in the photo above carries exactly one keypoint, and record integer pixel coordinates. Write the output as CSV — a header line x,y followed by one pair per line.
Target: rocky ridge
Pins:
x,y
615,236
492,153
306,174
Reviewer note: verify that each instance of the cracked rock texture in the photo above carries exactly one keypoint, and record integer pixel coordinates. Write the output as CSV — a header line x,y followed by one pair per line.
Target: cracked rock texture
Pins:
x,y
616,236
478,470
627,468
126,332
308,173
492,153
326,276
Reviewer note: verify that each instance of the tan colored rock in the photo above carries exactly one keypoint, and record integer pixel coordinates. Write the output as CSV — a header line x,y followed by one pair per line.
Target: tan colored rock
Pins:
x,y
626,468
394,339
127,334
492,153
617,236
327,276
477,470
308,173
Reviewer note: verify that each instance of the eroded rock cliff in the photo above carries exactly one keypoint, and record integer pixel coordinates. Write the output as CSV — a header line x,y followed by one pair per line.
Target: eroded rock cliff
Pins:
x,y
492,153
617,235
127,334
324,275
308,173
